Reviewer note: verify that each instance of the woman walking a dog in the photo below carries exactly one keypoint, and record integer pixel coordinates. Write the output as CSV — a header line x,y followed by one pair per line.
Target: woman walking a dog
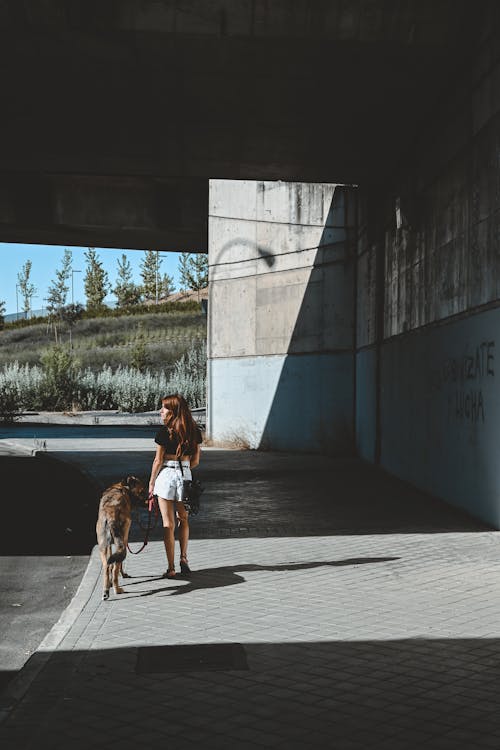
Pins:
x,y
178,451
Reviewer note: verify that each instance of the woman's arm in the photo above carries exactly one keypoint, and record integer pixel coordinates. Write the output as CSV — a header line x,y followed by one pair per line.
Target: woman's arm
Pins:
x,y
156,467
195,458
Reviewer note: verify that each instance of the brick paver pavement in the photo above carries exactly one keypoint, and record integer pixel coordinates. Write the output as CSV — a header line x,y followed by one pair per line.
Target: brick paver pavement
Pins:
x,y
368,615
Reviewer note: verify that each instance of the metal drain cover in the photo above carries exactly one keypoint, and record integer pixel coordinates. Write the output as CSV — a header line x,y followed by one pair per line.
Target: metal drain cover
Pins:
x,y
206,657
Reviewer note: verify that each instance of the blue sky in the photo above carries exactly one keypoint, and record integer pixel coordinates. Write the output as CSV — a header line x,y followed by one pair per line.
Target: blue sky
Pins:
x,y
47,258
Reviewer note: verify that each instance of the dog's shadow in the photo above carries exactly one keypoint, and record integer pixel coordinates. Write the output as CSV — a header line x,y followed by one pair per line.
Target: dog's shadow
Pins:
x,y
213,578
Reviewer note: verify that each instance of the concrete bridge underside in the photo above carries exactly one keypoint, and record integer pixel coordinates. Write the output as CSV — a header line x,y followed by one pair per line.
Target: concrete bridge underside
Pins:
x,y
116,114
341,319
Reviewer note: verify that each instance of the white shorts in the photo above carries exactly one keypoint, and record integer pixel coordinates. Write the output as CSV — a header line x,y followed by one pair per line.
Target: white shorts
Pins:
x,y
168,483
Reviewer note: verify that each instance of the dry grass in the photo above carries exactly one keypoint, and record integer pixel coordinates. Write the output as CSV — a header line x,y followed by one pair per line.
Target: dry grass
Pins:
x,y
110,340
234,442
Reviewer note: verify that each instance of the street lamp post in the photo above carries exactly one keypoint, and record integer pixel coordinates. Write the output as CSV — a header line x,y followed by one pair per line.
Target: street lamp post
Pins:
x,y
156,274
72,294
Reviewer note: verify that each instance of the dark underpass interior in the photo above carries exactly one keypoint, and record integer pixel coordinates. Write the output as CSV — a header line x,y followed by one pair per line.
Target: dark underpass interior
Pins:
x,y
55,511
49,508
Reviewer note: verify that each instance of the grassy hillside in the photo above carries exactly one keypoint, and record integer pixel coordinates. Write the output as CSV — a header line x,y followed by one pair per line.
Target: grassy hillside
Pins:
x,y
110,341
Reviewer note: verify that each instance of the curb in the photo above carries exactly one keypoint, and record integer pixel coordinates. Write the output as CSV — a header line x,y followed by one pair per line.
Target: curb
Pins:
x,y
17,688
18,446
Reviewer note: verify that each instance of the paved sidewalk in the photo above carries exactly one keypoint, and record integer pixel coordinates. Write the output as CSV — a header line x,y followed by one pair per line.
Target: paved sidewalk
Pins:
x,y
349,612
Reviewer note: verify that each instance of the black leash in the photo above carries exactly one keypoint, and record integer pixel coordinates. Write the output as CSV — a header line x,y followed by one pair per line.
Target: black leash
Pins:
x,y
153,508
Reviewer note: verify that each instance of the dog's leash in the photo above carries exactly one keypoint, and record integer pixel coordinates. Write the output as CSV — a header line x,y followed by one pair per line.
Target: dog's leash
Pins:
x,y
152,508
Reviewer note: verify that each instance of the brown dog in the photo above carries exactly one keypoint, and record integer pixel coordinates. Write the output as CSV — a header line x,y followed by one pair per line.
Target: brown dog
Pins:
x,y
113,526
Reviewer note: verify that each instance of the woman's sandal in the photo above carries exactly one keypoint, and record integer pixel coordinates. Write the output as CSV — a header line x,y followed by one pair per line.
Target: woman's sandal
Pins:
x,y
169,574
185,569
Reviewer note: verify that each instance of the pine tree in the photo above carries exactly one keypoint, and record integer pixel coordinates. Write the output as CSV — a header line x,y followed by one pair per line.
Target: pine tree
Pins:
x,y
184,275
96,282
26,288
58,290
125,290
193,271
166,286
198,266
150,269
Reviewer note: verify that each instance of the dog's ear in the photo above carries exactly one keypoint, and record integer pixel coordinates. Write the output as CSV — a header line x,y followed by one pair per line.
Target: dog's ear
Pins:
x,y
131,481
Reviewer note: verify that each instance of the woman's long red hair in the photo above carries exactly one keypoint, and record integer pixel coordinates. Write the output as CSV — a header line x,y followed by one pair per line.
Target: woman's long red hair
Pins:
x,y
180,422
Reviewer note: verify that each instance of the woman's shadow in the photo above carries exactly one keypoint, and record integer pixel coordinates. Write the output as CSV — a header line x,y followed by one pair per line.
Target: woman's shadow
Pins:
x,y
212,578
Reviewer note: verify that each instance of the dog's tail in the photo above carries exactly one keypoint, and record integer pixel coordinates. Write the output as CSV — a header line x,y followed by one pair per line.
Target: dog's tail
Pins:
x,y
118,556
121,548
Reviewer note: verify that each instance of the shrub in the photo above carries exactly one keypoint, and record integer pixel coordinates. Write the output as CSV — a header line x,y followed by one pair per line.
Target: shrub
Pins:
x,y
59,385
189,377
23,383
10,403
60,378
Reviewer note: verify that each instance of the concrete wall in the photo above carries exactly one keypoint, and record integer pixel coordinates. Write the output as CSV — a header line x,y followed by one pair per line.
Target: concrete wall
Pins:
x,y
441,412
281,315
428,295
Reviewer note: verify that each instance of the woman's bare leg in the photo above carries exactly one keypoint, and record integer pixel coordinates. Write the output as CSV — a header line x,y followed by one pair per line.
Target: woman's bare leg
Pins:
x,y
167,514
183,517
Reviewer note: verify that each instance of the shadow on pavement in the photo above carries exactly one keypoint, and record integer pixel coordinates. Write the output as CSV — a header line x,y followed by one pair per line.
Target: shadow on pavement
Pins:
x,y
213,578
415,692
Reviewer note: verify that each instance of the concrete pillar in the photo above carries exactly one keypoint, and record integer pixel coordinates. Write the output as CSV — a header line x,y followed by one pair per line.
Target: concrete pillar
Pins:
x,y
281,315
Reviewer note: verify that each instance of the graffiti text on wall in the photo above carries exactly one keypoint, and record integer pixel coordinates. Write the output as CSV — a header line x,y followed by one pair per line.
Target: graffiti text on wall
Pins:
x,y
466,401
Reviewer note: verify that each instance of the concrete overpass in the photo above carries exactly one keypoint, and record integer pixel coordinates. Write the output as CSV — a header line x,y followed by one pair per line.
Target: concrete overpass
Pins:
x,y
340,318
116,114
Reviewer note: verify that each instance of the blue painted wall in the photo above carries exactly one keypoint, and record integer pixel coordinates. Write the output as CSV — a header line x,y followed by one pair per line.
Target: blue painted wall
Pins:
x,y
365,404
291,402
440,413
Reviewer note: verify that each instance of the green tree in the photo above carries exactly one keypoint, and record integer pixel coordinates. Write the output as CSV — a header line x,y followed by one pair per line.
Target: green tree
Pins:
x,y
59,288
96,282
166,286
150,269
198,266
26,288
125,291
193,271
71,314
184,271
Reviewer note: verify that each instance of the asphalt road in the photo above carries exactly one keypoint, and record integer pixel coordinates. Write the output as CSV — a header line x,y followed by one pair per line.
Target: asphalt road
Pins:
x,y
48,520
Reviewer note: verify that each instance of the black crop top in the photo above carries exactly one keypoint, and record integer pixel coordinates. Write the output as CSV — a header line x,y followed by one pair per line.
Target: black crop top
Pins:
x,y
170,444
